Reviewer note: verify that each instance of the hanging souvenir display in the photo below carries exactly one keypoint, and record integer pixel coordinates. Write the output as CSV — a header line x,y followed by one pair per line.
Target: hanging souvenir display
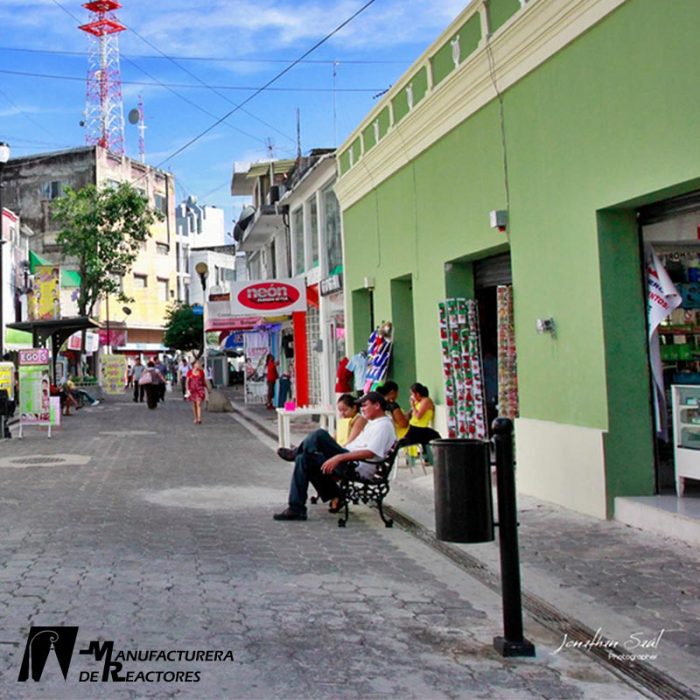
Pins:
x,y
507,358
378,355
462,368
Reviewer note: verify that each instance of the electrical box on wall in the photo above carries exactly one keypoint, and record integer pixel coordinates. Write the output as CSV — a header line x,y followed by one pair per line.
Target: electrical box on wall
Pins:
x,y
499,219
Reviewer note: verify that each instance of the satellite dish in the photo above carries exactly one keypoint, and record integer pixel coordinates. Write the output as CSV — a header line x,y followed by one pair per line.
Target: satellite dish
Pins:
x,y
134,116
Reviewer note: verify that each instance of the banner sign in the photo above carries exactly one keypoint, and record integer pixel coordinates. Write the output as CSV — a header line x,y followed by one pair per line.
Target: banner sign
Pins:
x,y
7,378
662,299
47,286
113,372
92,341
268,298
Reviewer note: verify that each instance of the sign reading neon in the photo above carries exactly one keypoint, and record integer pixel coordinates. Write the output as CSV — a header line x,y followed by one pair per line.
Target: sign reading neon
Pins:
x,y
268,296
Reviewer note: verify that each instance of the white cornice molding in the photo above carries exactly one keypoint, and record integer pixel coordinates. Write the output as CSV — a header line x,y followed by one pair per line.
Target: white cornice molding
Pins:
x,y
532,36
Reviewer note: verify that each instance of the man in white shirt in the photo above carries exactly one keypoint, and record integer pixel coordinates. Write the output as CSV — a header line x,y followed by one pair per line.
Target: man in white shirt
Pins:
x,y
319,457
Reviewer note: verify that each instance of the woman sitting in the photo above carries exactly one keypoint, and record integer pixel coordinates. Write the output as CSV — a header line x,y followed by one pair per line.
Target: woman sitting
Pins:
x,y
419,418
351,421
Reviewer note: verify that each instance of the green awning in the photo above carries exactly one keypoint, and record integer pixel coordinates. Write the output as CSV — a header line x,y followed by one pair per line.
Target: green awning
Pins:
x,y
69,278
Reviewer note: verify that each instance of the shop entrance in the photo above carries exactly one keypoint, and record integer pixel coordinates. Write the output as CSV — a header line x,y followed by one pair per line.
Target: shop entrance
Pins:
x,y
489,274
670,234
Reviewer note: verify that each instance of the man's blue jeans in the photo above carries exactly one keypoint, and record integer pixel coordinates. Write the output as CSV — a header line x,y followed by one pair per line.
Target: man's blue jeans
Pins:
x,y
315,449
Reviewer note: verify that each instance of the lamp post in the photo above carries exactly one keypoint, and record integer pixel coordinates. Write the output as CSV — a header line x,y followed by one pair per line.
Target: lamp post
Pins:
x,y
4,157
202,269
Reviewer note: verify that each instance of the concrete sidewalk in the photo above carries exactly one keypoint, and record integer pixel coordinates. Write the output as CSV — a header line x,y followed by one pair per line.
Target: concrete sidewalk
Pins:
x,y
615,590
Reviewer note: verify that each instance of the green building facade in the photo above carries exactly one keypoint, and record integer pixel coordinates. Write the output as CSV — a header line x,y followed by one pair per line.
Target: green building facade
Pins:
x,y
571,115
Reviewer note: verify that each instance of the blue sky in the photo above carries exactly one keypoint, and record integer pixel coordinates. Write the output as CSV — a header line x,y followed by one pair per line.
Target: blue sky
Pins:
x,y
226,44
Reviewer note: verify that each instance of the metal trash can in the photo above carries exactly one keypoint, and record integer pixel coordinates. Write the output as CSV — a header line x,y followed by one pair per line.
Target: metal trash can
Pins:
x,y
463,497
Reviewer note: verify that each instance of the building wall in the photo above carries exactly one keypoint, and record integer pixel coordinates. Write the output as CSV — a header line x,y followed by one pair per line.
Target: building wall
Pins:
x,y
601,126
33,182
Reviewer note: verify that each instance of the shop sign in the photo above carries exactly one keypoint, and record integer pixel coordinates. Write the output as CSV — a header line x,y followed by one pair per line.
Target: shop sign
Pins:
x,y
232,323
330,285
271,297
35,356
47,292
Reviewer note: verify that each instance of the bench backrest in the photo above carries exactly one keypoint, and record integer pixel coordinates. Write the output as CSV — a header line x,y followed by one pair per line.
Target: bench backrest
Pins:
x,y
384,467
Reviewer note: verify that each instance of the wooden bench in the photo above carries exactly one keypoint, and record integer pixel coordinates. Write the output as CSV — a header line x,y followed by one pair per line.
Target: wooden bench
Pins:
x,y
369,491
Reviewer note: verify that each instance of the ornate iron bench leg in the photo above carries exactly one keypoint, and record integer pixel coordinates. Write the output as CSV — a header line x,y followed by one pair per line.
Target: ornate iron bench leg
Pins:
x,y
388,522
346,513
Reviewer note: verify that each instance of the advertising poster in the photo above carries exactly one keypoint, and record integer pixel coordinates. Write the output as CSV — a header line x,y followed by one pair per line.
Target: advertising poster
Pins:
x,y
113,371
257,346
47,285
34,387
7,375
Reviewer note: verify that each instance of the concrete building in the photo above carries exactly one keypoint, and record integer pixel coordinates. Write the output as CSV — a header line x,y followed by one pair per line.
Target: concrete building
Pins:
x,y
202,236
292,230
574,120
33,182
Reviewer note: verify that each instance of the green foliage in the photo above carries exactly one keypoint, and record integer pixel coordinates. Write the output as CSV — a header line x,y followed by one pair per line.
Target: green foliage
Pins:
x,y
103,230
183,329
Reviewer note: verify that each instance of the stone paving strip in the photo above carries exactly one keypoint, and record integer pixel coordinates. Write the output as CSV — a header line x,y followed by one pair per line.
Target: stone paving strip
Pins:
x,y
161,541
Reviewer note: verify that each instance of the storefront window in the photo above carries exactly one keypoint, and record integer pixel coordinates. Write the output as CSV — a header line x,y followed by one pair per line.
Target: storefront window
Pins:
x,y
313,215
334,244
298,237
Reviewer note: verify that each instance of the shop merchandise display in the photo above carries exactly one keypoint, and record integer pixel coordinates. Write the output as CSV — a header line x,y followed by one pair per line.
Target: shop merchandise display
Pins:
x,y
378,355
507,357
462,368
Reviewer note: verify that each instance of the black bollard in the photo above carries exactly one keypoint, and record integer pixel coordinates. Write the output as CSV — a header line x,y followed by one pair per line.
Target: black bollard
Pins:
x,y
512,643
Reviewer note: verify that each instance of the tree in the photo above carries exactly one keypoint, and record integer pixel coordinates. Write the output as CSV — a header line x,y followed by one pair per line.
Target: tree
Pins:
x,y
103,230
183,329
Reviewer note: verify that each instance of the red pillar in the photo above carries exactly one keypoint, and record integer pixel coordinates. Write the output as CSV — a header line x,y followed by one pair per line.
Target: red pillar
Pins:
x,y
301,366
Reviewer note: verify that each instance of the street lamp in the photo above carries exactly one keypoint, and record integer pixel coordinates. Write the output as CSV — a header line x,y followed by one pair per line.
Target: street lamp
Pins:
x,y
4,157
202,269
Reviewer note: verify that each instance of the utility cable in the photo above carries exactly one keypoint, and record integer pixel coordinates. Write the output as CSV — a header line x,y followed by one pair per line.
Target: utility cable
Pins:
x,y
205,58
269,82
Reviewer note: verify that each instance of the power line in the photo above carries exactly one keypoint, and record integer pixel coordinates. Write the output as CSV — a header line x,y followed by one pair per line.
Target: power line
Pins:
x,y
207,58
269,82
212,88
159,83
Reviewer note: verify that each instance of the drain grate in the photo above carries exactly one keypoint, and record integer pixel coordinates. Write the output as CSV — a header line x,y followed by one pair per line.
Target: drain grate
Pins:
x,y
39,460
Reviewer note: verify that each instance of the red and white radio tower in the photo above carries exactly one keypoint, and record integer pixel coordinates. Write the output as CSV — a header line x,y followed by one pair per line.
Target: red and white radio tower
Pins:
x,y
104,112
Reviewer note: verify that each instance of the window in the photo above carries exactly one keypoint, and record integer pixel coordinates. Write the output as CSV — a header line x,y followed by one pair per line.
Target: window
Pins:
x,y
313,215
140,281
52,189
163,289
334,244
160,203
112,184
162,248
298,238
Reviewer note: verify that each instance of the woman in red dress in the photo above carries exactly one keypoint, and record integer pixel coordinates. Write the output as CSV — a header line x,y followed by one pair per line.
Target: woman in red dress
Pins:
x,y
196,390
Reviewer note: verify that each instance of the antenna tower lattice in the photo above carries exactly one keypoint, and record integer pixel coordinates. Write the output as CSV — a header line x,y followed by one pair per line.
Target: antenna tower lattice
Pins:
x,y
104,111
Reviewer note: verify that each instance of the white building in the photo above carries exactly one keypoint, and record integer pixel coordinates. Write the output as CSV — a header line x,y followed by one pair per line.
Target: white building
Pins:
x,y
202,236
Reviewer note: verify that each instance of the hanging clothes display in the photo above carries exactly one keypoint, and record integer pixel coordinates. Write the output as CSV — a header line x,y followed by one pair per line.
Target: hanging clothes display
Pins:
x,y
462,368
507,357
378,355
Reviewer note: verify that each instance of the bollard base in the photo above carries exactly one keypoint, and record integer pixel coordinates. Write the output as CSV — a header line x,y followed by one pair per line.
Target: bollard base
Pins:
x,y
507,648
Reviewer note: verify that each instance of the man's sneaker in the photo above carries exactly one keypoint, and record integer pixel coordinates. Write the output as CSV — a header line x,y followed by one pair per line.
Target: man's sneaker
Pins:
x,y
96,402
289,514
288,454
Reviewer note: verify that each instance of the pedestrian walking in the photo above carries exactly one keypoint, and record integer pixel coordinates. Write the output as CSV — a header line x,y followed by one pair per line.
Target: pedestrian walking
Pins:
x,y
271,376
183,371
137,373
196,390
151,379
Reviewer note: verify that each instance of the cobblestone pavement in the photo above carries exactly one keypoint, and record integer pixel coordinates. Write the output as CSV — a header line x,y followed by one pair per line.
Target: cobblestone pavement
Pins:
x,y
144,529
